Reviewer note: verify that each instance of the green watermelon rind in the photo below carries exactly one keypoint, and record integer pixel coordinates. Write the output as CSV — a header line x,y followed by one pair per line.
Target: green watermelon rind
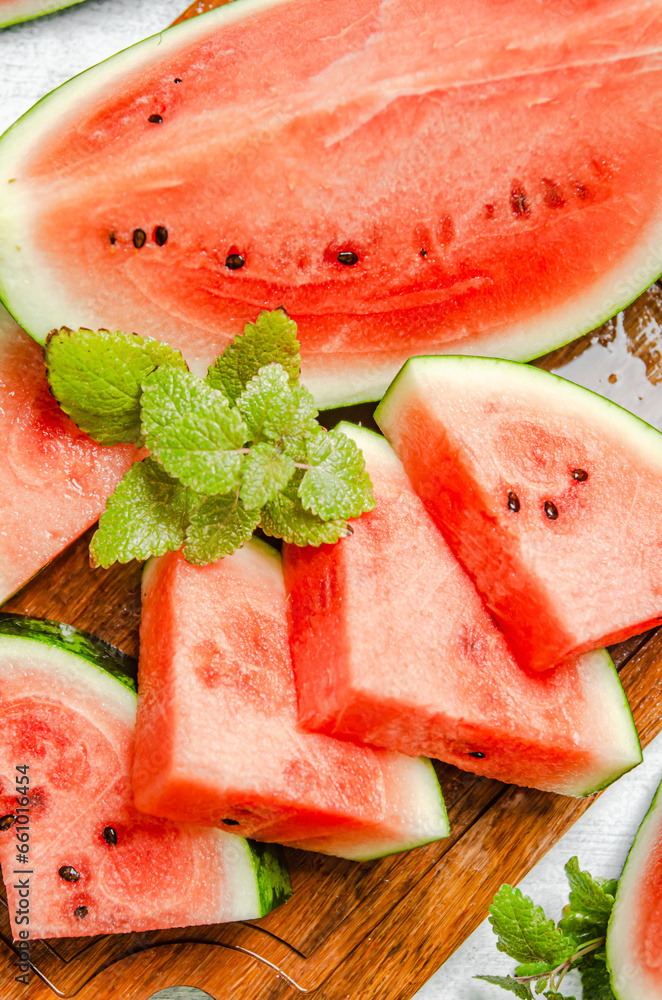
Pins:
x,y
366,376
271,875
271,879
38,9
620,959
94,651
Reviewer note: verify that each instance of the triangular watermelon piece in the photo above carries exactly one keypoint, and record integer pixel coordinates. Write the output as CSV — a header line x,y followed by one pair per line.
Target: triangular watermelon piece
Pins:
x,y
550,496
77,857
634,951
392,646
405,178
218,740
54,480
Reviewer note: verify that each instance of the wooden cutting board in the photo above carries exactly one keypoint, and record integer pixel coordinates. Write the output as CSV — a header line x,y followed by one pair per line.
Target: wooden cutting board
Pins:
x,y
365,931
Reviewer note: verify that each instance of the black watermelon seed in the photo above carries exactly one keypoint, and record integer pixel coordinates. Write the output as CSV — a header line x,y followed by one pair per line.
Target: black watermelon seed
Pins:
x,y
80,912
68,873
139,238
550,510
234,261
155,119
423,253
477,753
113,239
347,257
7,822
581,475
178,79
518,203
110,836
230,822
513,502
160,235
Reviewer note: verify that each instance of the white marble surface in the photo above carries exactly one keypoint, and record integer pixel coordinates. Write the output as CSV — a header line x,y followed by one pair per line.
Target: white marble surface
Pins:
x,y
39,55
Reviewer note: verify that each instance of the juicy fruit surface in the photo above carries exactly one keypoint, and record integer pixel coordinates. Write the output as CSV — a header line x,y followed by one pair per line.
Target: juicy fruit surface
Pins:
x,y
392,646
548,494
54,480
228,156
72,724
217,723
635,926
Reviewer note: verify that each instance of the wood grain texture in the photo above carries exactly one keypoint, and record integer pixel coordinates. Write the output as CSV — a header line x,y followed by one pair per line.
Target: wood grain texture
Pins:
x,y
375,930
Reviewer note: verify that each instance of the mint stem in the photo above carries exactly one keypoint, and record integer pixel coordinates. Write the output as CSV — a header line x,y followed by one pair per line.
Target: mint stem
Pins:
x,y
564,967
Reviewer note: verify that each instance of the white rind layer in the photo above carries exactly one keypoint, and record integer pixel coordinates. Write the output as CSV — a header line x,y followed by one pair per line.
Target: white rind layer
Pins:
x,y
333,380
628,979
25,10
527,383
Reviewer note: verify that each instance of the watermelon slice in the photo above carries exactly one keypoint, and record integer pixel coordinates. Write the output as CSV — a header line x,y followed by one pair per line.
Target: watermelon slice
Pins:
x,y
634,956
393,647
13,11
550,496
403,180
94,864
218,741
54,480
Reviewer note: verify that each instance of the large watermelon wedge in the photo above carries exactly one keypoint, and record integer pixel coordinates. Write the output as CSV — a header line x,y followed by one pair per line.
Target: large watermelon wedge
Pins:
x,y
634,935
13,11
550,496
54,480
93,864
406,178
218,740
393,647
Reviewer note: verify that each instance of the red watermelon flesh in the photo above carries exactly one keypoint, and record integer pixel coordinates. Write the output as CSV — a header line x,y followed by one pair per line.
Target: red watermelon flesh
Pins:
x,y
12,11
392,646
54,480
489,191
549,495
218,741
68,722
634,956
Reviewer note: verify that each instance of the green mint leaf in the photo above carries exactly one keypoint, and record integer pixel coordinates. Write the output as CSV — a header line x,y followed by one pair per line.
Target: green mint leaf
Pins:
x,y
524,932
596,984
534,969
264,474
588,895
521,990
96,378
272,338
146,516
193,431
336,484
217,527
273,409
553,995
580,927
285,517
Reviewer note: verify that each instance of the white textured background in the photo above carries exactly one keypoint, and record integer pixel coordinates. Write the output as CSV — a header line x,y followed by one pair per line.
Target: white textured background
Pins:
x,y
39,55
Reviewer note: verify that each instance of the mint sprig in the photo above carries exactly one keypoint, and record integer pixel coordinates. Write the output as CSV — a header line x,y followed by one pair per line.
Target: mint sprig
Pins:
x,y
547,951
239,449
